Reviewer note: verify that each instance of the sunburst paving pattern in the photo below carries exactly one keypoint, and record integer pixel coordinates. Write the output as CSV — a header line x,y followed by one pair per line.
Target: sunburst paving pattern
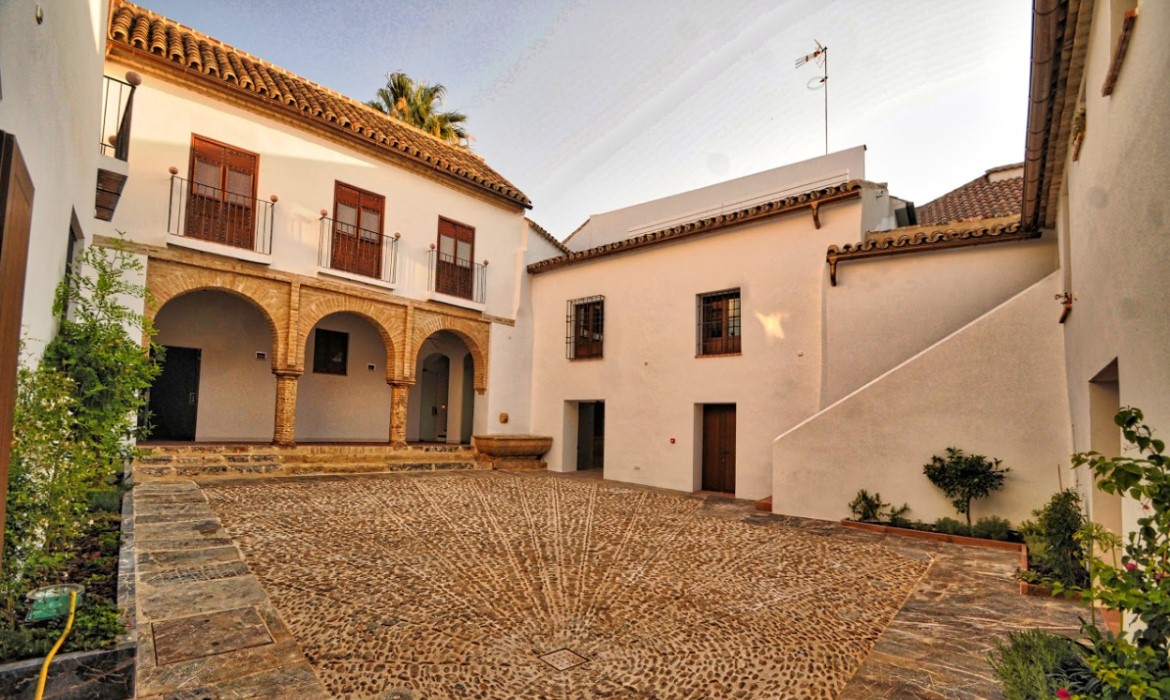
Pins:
x,y
490,585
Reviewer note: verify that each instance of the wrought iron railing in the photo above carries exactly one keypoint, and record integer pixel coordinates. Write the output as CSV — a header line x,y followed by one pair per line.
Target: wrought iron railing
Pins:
x,y
349,248
117,108
211,214
458,277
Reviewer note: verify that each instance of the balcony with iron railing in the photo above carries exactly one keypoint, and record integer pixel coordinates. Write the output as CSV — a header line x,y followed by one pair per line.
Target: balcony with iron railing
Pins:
x,y
347,250
457,278
202,213
114,146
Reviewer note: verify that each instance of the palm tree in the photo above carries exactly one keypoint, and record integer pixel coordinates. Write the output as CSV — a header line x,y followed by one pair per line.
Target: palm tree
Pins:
x,y
417,104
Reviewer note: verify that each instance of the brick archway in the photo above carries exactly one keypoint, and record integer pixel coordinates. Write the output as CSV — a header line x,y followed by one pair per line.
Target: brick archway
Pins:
x,y
388,320
168,280
475,335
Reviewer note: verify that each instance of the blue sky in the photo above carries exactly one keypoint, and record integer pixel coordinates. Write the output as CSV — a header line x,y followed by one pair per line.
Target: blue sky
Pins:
x,y
591,106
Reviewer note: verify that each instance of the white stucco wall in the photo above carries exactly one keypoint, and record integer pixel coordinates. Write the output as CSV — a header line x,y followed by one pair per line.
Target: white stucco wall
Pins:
x,y
650,378
511,370
885,310
1118,218
995,387
51,101
237,391
301,169
350,407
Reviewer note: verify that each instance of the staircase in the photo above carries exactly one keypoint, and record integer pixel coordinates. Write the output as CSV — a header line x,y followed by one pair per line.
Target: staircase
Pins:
x,y
206,460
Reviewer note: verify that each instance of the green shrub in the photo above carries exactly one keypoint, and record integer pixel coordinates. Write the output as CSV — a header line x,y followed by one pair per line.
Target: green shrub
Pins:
x,y
1034,665
950,526
993,527
867,508
964,478
897,516
1136,662
97,625
1056,551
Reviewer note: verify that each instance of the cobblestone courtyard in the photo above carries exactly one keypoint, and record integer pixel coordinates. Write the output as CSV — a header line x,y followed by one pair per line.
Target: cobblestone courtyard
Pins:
x,y
489,585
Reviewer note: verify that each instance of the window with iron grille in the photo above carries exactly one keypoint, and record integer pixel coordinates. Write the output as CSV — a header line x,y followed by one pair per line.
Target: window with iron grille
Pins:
x,y
585,323
718,318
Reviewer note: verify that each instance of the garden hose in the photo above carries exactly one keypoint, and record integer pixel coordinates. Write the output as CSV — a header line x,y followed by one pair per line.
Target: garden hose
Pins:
x,y
53,651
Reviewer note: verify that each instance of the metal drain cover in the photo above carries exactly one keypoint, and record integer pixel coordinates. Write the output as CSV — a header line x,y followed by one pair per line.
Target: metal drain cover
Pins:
x,y
563,659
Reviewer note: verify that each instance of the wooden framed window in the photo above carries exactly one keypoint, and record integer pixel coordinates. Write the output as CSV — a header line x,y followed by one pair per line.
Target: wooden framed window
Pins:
x,y
454,270
358,217
719,322
585,320
330,351
221,204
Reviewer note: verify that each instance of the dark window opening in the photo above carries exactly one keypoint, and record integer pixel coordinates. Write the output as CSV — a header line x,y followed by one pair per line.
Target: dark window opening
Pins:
x,y
330,352
585,322
719,323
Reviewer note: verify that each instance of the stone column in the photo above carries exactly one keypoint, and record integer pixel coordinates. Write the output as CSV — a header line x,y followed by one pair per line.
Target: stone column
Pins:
x,y
399,394
286,406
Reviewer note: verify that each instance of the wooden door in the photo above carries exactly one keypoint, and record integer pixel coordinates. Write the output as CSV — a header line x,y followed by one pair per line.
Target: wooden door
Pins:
x,y
16,199
357,231
719,447
590,435
454,273
222,199
174,396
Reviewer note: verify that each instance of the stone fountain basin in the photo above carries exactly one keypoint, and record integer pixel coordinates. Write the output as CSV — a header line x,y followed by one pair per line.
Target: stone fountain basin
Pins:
x,y
532,446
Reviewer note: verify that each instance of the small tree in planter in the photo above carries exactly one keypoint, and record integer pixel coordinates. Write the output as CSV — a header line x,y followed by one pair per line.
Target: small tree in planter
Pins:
x,y
965,478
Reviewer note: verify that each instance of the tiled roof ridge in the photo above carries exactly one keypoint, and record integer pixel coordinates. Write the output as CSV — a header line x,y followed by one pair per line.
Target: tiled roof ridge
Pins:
x,y
925,241
547,236
811,198
178,45
925,238
978,199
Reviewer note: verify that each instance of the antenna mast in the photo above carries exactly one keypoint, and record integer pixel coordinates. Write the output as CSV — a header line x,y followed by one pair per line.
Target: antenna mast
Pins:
x,y
821,56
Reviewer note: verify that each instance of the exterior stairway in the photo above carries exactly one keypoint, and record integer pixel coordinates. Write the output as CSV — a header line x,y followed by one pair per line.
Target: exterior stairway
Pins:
x,y
208,460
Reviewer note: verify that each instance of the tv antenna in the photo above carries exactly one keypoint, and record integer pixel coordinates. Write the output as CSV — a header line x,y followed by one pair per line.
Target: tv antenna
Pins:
x,y
821,57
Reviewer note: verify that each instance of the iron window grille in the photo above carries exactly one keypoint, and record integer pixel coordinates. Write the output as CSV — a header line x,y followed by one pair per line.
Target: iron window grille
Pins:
x,y
718,318
585,328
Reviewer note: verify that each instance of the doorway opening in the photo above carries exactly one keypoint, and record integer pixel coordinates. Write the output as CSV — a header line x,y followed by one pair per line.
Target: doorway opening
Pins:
x,y
718,448
590,435
174,396
1105,438
434,386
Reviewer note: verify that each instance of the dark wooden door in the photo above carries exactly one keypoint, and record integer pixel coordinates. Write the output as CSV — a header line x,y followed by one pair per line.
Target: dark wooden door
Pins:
x,y
174,397
16,199
719,447
357,231
454,272
590,435
222,200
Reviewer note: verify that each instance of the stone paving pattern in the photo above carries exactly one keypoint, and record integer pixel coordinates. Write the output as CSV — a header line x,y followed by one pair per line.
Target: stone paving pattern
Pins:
x,y
206,628
455,585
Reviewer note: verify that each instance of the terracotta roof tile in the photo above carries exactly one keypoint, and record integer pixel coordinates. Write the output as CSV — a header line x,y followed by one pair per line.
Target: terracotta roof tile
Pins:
x,y
547,236
136,32
811,199
982,198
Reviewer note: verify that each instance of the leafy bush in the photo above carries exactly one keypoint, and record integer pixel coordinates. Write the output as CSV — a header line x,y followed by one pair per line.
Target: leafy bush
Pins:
x,y
94,347
1054,547
993,527
96,625
1136,662
897,516
964,478
1034,665
867,508
950,526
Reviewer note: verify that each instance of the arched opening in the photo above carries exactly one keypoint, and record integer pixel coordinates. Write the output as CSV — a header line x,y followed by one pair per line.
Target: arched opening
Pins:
x,y
441,404
342,395
217,383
